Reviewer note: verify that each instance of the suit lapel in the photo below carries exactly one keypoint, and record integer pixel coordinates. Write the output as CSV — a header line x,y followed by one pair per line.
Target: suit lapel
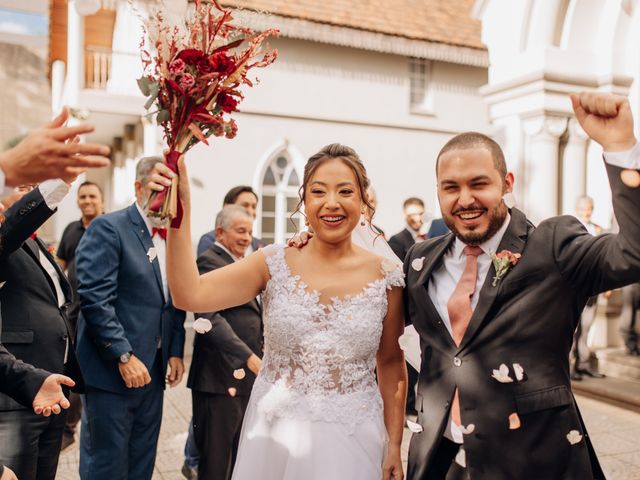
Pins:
x,y
431,262
228,260
31,248
142,232
64,282
514,240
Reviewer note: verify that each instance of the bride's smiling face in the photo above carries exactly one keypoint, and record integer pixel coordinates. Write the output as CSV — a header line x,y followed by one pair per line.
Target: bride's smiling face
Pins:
x,y
333,203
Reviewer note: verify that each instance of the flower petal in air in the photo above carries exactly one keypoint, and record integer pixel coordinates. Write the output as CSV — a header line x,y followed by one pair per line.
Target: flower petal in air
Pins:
x,y
461,458
232,391
574,437
414,427
519,371
417,264
202,325
152,254
469,429
502,374
239,374
514,421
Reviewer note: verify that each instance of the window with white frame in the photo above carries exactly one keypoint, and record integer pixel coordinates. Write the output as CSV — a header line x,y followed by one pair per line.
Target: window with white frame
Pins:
x,y
279,199
421,98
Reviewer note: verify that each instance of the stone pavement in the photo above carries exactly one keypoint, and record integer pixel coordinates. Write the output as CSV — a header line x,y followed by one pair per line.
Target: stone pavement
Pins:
x,y
615,433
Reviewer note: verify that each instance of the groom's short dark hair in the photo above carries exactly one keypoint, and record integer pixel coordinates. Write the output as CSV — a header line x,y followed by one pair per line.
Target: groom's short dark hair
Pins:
x,y
467,140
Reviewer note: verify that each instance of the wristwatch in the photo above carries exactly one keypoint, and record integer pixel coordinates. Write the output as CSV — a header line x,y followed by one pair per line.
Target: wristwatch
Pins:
x,y
125,357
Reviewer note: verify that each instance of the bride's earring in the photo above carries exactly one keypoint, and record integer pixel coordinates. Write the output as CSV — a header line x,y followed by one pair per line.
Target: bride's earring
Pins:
x,y
362,219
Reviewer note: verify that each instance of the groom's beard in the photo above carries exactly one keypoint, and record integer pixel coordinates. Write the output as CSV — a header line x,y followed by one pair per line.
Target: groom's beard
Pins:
x,y
497,216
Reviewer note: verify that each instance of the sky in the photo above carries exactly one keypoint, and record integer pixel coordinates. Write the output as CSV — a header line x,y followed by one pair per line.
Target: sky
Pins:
x,y
14,22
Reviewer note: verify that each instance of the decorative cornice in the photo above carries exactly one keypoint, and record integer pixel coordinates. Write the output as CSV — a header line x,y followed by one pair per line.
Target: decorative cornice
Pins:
x,y
350,37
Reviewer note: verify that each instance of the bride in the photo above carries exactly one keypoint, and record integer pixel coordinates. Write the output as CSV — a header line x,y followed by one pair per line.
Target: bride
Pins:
x,y
332,317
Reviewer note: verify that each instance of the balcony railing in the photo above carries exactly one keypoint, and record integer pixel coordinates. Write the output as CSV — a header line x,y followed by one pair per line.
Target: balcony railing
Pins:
x,y
115,71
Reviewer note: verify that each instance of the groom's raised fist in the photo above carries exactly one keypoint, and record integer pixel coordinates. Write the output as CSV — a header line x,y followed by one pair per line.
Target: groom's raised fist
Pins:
x,y
606,118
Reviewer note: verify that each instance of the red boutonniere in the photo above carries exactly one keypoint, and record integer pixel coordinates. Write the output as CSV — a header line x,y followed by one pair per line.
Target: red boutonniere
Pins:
x,y
503,262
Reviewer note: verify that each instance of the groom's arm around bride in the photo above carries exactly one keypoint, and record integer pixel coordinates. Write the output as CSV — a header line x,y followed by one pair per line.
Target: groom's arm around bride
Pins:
x,y
494,395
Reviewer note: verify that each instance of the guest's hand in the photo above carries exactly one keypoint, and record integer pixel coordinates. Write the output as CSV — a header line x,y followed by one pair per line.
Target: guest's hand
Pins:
x,y
8,474
134,373
254,363
52,152
299,240
50,398
606,118
392,469
176,371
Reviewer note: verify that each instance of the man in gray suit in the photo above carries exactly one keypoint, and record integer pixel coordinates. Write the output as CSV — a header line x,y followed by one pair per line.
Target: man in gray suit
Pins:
x,y
494,397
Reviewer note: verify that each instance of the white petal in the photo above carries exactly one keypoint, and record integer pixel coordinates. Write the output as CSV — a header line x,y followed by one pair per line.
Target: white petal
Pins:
x,y
461,458
2,284
232,391
519,371
501,378
239,374
574,437
414,427
468,430
152,254
202,325
504,370
417,264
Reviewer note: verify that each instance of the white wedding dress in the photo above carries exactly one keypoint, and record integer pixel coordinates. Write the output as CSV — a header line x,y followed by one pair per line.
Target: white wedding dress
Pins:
x,y
315,412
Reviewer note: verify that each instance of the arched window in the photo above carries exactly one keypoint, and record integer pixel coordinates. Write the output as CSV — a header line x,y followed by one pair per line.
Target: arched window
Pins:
x,y
279,199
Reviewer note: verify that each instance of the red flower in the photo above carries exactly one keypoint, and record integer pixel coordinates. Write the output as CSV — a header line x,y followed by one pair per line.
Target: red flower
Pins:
x,y
230,129
191,56
221,62
227,103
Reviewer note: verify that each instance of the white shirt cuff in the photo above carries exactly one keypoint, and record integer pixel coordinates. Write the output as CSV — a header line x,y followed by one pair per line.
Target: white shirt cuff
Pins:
x,y
627,159
53,192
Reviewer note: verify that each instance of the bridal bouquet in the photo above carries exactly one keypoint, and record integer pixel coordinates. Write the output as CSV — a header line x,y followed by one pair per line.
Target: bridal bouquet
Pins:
x,y
193,80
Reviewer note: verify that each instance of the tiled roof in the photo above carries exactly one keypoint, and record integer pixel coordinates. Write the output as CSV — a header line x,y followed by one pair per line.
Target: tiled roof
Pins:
x,y
441,21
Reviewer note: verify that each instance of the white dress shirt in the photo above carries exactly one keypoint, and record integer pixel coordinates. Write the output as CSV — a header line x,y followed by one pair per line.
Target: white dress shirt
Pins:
x,y
161,251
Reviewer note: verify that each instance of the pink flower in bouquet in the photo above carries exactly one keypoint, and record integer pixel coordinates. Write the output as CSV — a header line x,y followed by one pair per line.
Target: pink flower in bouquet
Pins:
x,y
227,103
187,81
177,66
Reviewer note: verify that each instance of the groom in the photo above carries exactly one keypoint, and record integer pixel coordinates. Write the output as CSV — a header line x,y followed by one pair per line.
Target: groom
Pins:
x,y
494,399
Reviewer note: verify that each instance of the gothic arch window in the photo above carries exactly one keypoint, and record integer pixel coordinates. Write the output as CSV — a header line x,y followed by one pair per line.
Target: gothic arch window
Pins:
x,y
278,199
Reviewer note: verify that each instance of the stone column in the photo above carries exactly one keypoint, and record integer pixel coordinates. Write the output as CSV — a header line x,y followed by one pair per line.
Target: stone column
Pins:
x,y
574,167
541,165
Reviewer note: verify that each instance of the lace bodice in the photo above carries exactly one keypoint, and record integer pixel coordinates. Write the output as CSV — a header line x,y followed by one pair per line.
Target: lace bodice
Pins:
x,y
319,359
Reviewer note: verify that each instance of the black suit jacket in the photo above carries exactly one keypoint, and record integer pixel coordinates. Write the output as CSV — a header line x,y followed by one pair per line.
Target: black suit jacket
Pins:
x,y
527,319
212,366
34,328
401,242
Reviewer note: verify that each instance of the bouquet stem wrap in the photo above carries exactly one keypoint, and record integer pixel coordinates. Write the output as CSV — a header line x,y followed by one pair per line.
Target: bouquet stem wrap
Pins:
x,y
166,204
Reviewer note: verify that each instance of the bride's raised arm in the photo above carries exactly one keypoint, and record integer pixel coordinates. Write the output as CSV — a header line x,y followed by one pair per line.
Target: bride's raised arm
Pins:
x,y
222,288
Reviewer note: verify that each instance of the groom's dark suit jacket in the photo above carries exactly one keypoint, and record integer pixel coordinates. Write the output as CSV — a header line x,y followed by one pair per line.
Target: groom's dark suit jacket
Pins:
x,y
529,319
213,364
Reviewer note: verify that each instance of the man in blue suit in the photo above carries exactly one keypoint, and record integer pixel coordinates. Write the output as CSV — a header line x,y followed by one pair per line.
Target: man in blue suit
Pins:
x,y
128,331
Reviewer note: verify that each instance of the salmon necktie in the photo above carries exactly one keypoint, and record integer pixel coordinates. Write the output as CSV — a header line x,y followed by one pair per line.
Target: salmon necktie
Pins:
x,y
460,311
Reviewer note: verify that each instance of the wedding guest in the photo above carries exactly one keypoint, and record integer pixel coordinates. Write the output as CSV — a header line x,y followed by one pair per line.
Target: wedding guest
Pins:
x,y
581,353
245,197
220,389
90,203
401,242
50,152
128,333
494,396
34,298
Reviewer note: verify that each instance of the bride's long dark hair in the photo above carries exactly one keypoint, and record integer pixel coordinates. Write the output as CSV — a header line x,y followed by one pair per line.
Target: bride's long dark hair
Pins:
x,y
350,158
